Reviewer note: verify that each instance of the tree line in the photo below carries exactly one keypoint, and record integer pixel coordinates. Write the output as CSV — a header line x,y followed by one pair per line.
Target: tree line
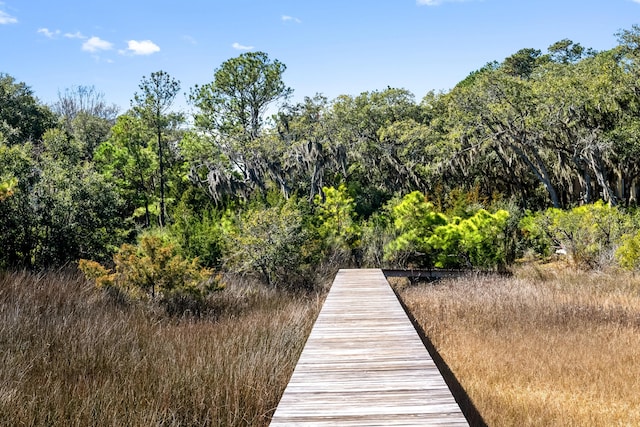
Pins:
x,y
319,182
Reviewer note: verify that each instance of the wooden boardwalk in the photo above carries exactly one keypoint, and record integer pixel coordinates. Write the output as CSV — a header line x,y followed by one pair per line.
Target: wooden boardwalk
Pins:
x,y
365,365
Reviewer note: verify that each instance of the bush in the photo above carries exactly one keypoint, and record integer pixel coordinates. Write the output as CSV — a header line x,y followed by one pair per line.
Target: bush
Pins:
x,y
471,242
430,239
153,269
274,242
199,234
628,253
415,220
337,226
377,233
589,234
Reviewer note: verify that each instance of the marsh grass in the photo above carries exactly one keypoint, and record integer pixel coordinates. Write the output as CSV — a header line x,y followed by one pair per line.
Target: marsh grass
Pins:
x,y
550,346
72,356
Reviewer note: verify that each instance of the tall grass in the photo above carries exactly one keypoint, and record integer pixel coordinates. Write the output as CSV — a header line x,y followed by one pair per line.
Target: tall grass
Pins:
x,y
550,346
72,356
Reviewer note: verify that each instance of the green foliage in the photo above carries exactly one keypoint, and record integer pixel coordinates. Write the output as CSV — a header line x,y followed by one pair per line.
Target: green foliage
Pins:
x,y
534,227
544,124
60,210
7,188
199,234
61,148
128,160
566,51
75,209
628,253
461,203
415,220
151,105
310,157
377,233
22,118
336,219
472,242
522,63
274,242
153,268
444,242
590,234
556,129
381,135
231,114
85,116
242,89
77,216
17,218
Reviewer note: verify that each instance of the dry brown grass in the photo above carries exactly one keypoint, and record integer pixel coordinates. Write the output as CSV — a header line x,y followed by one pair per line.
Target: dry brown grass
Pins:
x,y
547,347
69,356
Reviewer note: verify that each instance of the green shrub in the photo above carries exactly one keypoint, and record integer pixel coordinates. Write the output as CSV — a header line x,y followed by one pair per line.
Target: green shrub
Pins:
x,y
415,220
199,234
153,269
589,234
443,242
535,233
628,253
472,242
377,232
273,242
337,226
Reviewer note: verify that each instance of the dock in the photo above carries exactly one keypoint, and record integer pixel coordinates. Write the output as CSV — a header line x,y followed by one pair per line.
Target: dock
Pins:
x,y
364,364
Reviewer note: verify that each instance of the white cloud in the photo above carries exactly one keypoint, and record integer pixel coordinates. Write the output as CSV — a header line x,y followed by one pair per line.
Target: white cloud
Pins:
x,y
76,35
5,18
48,33
239,46
95,44
286,18
53,34
142,47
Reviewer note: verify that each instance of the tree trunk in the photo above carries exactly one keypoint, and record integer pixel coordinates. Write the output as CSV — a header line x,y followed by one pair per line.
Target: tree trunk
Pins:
x,y
161,167
540,171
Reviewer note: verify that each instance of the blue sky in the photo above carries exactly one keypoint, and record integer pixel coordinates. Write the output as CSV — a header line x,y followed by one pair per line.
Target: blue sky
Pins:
x,y
330,47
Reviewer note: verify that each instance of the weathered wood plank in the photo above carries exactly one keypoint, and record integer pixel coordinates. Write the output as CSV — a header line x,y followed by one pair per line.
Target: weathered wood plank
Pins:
x,y
364,364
